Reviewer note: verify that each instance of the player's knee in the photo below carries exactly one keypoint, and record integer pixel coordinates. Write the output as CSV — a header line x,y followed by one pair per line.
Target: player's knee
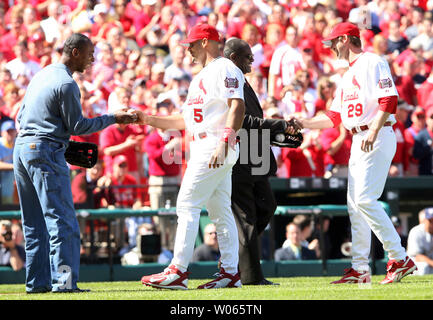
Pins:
x,y
365,204
183,210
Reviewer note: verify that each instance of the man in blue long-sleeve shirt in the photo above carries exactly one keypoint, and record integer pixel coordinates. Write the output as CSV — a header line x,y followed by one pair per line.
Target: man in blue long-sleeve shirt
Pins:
x,y
51,112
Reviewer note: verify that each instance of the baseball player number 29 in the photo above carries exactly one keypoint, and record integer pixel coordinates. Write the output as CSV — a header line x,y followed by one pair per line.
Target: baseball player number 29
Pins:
x,y
357,108
198,116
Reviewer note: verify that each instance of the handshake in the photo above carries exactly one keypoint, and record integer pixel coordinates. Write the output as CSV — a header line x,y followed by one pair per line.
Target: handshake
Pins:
x,y
129,116
294,125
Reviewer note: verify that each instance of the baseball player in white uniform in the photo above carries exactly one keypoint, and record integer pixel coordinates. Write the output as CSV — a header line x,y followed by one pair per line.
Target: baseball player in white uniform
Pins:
x,y
365,102
212,114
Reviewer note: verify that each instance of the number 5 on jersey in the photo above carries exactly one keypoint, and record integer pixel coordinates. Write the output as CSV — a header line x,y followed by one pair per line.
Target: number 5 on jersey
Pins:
x,y
354,110
198,114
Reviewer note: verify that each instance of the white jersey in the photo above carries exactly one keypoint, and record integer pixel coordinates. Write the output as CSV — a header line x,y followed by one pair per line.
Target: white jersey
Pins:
x,y
206,109
285,62
356,98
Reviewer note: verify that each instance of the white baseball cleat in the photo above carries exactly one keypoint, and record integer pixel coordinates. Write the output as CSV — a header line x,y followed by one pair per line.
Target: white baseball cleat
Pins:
x,y
223,280
170,278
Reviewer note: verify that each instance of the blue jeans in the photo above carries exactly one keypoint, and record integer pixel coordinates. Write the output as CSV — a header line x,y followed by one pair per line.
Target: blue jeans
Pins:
x,y
51,231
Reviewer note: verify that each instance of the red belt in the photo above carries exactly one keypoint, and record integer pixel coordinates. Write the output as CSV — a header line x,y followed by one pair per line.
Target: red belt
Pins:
x,y
363,128
201,135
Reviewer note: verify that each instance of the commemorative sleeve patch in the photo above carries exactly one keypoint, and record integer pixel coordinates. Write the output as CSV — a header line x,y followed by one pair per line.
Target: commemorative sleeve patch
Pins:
x,y
385,83
231,82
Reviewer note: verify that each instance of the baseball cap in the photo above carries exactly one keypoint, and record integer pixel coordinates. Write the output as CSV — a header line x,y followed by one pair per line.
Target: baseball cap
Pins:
x,y
305,44
201,31
401,104
148,2
163,96
37,36
341,29
158,68
8,125
148,50
428,213
120,159
419,110
224,8
100,8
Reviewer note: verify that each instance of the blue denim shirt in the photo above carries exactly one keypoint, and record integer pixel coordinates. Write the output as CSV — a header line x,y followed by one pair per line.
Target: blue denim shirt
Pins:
x,y
51,108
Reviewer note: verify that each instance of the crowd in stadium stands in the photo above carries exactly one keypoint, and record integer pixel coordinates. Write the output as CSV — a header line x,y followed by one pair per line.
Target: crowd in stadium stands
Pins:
x,y
139,63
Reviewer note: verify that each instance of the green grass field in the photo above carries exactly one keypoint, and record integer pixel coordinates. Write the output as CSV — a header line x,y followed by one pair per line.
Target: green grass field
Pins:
x,y
296,288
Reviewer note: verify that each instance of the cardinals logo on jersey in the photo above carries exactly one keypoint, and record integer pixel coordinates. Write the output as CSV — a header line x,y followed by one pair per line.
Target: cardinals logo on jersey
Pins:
x,y
201,86
355,83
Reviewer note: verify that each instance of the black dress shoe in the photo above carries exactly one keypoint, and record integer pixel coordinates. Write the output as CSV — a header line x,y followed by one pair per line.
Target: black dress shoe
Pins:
x,y
263,282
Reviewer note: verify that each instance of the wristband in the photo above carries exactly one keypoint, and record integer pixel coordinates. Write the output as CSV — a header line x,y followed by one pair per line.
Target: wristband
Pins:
x,y
229,136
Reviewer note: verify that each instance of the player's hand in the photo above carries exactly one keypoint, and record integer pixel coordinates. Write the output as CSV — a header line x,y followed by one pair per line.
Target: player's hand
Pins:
x,y
294,125
126,117
368,142
219,155
143,118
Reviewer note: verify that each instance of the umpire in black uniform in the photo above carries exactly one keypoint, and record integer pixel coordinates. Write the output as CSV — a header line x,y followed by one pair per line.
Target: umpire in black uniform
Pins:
x,y
253,201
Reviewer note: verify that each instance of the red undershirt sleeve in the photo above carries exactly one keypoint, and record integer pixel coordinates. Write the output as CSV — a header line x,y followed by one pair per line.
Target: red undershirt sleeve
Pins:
x,y
334,116
388,104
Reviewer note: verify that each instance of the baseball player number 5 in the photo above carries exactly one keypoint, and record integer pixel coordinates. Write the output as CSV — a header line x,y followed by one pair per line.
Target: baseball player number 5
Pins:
x,y
198,116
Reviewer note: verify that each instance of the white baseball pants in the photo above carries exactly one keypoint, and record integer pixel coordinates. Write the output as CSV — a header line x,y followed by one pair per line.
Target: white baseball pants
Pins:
x,y
367,176
211,188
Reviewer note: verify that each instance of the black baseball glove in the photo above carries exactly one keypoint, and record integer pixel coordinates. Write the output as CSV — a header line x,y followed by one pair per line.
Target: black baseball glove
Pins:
x,y
82,154
286,140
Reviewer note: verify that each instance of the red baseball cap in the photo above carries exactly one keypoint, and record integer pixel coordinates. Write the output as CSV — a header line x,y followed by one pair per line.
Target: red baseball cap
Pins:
x,y
306,44
120,159
419,110
201,31
225,8
341,29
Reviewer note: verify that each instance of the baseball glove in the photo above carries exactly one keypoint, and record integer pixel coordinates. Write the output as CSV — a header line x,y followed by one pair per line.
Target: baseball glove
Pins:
x,y
285,140
82,154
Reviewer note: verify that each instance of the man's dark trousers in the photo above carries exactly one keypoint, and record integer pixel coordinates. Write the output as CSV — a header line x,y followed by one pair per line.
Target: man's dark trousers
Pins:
x,y
253,202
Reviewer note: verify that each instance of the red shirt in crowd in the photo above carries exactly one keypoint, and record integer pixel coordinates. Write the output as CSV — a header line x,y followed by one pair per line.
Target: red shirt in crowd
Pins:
x,y
341,157
125,197
154,146
297,164
409,138
406,89
7,42
399,156
425,95
112,136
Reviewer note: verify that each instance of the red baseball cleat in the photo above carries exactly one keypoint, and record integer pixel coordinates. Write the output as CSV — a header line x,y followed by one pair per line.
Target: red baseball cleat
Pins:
x,y
223,280
397,270
352,276
170,278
